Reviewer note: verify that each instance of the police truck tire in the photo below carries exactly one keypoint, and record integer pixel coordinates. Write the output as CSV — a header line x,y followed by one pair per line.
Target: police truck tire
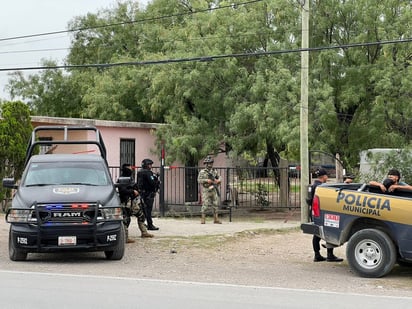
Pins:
x,y
371,253
118,251
15,254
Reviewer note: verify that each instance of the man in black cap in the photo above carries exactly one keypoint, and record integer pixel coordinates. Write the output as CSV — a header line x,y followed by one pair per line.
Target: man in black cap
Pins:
x,y
392,182
321,177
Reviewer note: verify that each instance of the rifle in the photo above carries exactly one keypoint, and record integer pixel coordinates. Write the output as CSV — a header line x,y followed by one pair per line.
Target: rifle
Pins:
x,y
213,178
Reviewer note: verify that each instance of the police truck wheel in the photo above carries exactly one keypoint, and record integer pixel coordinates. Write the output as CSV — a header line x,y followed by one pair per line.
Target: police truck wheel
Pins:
x,y
118,251
371,253
15,254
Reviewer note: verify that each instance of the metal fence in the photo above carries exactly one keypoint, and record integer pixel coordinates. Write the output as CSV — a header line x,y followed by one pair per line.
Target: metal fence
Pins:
x,y
241,188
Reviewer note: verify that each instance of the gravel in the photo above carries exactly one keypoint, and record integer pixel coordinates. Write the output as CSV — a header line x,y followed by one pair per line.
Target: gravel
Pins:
x,y
270,251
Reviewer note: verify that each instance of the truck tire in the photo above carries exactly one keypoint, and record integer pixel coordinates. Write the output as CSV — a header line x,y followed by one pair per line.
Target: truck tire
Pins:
x,y
371,253
118,251
14,253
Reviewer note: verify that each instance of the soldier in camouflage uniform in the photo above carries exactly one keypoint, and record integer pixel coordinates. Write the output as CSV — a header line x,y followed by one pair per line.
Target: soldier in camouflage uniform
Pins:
x,y
209,180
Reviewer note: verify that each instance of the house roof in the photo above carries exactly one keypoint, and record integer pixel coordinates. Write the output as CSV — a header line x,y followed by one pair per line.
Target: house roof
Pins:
x,y
94,122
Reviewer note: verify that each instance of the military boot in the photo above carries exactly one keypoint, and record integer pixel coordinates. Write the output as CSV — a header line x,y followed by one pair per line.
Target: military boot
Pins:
x,y
216,219
143,230
203,219
128,240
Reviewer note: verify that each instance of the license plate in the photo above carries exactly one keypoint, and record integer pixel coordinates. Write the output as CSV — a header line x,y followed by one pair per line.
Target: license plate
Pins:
x,y
67,240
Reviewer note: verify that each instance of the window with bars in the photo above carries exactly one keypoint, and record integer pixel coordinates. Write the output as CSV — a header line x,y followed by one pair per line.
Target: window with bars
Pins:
x,y
127,151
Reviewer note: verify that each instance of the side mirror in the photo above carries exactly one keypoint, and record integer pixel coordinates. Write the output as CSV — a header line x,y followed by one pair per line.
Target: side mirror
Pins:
x,y
9,183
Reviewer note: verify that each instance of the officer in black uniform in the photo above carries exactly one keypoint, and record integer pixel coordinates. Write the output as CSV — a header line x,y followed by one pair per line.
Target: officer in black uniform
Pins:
x,y
148,184
322,177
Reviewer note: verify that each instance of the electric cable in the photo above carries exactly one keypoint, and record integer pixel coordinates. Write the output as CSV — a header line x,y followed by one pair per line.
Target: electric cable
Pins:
x,y
207,58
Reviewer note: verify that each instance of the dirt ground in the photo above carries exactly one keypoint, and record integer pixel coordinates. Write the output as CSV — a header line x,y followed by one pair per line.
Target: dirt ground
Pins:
x,y
261,249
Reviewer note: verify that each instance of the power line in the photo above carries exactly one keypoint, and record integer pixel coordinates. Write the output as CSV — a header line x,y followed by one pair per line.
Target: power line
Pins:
x,y
206,58
106,46
233,5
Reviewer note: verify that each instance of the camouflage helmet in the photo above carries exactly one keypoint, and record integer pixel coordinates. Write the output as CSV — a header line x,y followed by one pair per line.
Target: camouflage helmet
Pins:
x,y
208,160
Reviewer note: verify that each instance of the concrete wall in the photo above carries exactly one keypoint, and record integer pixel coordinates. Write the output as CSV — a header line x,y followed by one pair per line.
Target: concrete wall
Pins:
x,y
112,132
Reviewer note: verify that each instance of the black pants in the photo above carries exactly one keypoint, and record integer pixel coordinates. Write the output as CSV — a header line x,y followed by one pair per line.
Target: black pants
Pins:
x,y
316,243
316,246
148,208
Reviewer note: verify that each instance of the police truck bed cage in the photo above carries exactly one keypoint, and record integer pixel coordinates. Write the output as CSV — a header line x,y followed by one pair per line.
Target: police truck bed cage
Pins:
x,y
97,140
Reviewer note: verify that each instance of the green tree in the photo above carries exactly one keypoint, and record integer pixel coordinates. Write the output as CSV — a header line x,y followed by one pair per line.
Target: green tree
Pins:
x,y
381,163
359,97
243,104
15,130
363,90
48,93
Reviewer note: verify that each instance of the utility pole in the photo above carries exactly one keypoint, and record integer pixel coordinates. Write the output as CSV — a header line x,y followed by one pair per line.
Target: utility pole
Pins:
x,y
304,111
162,182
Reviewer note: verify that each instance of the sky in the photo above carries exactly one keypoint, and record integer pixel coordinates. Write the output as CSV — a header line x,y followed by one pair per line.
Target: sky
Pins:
x,y
27,17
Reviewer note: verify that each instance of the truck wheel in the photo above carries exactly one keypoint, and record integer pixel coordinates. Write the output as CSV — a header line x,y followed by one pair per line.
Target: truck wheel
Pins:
x,y
14,253
118,252
371,253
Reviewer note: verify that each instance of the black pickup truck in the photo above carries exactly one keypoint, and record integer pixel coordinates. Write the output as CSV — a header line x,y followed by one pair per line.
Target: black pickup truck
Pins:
x,y
65,201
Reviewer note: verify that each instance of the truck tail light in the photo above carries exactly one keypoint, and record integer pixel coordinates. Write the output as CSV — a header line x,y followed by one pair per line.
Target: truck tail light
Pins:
x,y
316,207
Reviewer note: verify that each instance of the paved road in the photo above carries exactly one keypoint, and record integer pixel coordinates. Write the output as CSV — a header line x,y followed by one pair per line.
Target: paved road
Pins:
x,y
278,261
45,290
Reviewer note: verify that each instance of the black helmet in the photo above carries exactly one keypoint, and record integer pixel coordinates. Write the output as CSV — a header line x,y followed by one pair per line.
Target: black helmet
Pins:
x,y
126,170
208,159
388,182
146,162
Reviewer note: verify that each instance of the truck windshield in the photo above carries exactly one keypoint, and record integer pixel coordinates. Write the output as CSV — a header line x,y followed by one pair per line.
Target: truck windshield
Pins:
x,y
63,173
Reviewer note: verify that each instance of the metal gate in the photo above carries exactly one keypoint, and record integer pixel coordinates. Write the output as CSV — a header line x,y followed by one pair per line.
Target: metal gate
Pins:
x,y
240,188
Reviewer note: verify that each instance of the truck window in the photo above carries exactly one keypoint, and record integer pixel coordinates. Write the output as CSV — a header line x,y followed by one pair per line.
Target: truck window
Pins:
x,y
61,174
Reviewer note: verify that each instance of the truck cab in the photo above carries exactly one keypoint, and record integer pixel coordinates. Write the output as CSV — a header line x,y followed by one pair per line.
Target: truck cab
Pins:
x,y
65,201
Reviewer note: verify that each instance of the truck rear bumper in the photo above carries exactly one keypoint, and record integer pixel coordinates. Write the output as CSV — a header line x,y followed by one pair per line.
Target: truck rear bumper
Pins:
x,y
310,228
